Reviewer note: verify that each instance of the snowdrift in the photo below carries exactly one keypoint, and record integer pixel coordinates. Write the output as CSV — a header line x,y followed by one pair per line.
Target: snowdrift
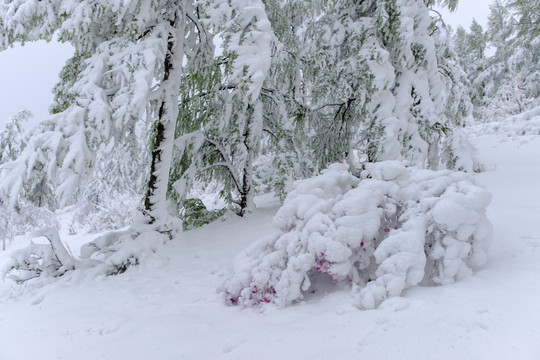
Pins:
x,y
392,228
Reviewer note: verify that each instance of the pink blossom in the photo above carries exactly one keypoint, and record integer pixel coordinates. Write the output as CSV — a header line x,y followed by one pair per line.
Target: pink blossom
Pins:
x,y
386,230
324,267
287,228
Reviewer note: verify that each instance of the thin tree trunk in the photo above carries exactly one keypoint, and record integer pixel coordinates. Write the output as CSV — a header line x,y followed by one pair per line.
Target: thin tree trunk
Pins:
x,y
246,194
156,194
250,140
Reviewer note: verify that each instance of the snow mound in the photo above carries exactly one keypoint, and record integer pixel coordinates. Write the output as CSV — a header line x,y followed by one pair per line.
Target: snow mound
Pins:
x,y
393,228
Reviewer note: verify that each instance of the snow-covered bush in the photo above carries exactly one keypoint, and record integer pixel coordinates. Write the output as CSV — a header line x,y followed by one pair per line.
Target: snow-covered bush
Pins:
x,y
116,251
112,253
393,228
40,259
31,262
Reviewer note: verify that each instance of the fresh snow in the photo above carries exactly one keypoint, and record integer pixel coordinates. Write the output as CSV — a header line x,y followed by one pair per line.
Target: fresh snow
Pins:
x,y
169,307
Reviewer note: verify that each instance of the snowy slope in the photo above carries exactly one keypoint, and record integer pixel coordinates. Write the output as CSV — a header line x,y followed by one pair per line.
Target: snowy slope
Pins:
x,y
169,307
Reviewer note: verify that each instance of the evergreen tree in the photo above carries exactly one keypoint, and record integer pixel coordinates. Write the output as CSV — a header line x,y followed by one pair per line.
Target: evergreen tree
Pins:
x,y
12,142
471,47
526,59
12,139
505,83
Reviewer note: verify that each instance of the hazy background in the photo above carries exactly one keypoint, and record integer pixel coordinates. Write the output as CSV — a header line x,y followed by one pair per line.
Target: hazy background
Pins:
x,y
28,73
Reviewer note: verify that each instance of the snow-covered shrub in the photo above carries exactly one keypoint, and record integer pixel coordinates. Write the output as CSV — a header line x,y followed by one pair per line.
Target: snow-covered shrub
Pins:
x,y
112,253
393,228
41,260
116,251
510,99
31,262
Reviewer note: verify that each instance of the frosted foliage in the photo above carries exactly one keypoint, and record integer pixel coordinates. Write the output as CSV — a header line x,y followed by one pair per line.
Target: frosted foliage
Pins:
x,y
461,154
247,35
389,230
39,157
505,82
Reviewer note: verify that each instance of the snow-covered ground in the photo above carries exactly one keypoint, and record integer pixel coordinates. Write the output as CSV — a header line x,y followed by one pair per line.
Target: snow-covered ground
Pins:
x,y
169,307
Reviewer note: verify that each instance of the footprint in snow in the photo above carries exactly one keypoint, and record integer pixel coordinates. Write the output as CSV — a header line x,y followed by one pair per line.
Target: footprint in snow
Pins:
x,y
233,345
37,300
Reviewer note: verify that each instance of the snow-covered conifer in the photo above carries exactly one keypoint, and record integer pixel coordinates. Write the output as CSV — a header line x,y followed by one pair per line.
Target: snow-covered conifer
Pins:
x,y
12,139
505,83
527,57
34,208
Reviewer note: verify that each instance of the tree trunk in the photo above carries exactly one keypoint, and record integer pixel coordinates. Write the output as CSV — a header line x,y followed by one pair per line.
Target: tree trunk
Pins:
x,y
156,195
251,138
246,194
